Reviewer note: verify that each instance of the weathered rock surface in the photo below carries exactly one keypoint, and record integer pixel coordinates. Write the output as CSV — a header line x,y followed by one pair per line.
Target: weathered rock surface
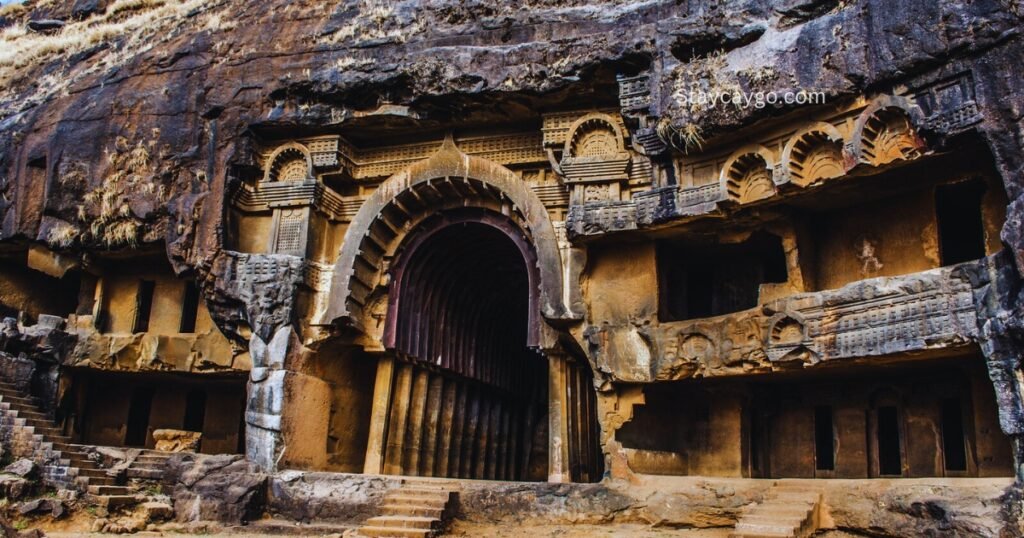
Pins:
x,y
24,468
176,440
13,487
178,96
200,86
910,507
55,507
219,488
341,498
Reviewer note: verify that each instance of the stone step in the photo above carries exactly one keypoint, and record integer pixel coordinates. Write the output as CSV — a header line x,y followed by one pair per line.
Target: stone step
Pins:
x,y
37,415
148,465
93,473
395,532
52,434
766,519
76,456
108,490
99,481
405,522
145,474
425,493
411,510
87,465
153,458
763,529
400,499
110,502
16,400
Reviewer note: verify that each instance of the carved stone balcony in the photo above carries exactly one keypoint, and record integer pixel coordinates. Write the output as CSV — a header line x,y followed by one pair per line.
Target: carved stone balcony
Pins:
x,y
646,208
927,311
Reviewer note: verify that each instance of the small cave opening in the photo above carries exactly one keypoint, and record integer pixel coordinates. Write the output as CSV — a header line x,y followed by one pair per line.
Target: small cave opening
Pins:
x,y
953,439
958,211
214,405
824,439
699,281
890,461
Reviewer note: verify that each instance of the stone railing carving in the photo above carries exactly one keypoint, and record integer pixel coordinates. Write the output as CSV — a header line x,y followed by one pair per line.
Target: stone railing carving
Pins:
x,y
931,310
949,105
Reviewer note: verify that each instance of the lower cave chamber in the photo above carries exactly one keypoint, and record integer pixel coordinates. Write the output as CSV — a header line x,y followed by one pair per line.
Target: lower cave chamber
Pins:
x,y
124,409
935,418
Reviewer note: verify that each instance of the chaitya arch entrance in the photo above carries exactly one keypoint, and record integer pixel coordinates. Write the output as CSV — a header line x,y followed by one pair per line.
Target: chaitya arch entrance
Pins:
x,y
469,399
463,390
450,273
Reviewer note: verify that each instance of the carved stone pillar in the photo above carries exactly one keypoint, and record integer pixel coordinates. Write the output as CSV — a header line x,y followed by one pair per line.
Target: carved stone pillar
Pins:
x,y
448,418
459,421
558,420
414,433
265,401
428,447
398,419
374,461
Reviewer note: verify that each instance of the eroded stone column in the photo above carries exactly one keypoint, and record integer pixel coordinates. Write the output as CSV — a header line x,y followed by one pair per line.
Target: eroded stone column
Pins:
x,y
482,436
469,435
558,420
374,461
414,430
396,423
444,440
265,402
430,427
458,427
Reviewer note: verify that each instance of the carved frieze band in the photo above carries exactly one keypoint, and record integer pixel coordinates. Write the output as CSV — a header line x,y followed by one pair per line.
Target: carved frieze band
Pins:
x,y
883,316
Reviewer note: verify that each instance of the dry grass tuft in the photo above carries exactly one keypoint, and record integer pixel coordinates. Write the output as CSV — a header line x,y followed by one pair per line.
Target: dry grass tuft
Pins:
x,y
105,210
13,10
376,21
688,139
62,235
709,76
138,20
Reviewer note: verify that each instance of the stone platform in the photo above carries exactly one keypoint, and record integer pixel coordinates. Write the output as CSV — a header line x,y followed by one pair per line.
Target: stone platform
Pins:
x,y
902,507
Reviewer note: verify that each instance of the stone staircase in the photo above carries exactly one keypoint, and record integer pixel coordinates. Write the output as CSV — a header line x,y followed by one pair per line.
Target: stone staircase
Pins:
x,y
790,510
64,459
35,436
417,509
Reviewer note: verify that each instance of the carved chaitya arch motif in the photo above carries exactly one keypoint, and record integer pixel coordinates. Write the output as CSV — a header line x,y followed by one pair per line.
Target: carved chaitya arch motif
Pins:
x,y
813,154
594,135
594,160
747,175
886,131
290,162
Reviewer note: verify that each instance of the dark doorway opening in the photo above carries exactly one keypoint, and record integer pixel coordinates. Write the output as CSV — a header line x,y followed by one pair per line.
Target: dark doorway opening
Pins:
x,y
195,410
189,308
953,446
699,281
961,230
143,306
137,428
824,439
888,433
